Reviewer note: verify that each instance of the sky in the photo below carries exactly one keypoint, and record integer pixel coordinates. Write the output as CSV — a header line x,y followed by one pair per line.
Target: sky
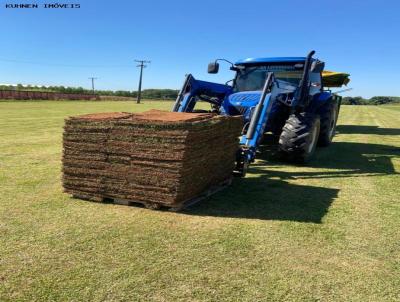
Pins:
x,y
103,38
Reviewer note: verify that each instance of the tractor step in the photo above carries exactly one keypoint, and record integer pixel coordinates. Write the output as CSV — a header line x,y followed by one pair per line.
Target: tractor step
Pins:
x,y
158,205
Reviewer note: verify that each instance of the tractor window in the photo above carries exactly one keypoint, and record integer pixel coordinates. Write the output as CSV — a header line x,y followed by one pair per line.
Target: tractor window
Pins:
x,y
253,78
250,79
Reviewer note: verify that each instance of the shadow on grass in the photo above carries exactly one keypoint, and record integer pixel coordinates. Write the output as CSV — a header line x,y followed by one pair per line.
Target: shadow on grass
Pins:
x,y
267,195
358,129
340,159
269,199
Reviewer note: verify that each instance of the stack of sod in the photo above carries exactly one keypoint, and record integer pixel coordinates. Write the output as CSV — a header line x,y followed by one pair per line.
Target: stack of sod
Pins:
x,y
154,157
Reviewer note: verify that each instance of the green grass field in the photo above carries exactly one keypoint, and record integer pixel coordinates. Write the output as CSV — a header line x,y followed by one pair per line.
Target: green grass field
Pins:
x,y
328,231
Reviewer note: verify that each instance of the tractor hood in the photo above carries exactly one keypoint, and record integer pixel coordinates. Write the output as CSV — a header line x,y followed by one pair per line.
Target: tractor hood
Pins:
x,y
245,98
244,102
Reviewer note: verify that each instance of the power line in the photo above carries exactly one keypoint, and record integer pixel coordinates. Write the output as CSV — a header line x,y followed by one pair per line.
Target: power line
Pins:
x,y
141,65
61,65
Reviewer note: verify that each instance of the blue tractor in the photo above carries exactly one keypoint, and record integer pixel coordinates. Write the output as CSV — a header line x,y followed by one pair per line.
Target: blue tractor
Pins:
x,y
285,96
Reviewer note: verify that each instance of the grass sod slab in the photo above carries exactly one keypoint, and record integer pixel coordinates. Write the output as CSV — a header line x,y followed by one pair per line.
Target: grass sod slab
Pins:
x,y
139,158
186,165
147,176
167,180
147,133
151,119
155,156
126,147
137,134
128,137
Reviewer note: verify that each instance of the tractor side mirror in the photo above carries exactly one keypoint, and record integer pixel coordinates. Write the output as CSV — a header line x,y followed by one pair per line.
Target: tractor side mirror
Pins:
x,y
317,66
213,67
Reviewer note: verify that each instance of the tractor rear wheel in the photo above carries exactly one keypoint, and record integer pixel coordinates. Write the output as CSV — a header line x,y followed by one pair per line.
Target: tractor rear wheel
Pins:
x,y
299,137
329,114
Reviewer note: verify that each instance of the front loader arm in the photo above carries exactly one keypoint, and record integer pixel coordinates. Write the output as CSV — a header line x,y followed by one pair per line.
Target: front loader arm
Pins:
x,y
250,141
193,89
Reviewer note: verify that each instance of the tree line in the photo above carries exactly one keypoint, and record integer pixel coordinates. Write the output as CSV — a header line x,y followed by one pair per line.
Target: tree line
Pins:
x,y
146,93
376,100
172,94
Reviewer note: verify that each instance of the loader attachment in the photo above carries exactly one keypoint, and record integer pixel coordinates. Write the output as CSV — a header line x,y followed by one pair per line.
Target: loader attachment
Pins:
x,y
250,141
194,90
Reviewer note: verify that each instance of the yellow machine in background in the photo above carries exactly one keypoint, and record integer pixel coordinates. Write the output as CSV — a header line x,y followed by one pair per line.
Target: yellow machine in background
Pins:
x,y
334,79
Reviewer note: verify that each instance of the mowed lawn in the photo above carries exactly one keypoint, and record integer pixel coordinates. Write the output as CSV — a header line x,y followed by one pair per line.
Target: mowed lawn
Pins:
x,y
327,231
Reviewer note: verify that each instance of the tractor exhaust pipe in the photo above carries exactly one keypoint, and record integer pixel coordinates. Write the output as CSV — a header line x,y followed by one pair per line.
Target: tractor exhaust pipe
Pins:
x,y
259,107
302,92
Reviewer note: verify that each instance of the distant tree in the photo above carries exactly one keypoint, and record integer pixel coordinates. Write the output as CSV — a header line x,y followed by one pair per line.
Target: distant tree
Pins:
x,y
379,100
6,87
160,93
122,93
352,100
172,94
376,100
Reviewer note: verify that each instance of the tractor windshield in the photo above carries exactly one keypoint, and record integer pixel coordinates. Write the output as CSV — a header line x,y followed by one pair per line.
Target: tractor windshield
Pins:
x,y
252,78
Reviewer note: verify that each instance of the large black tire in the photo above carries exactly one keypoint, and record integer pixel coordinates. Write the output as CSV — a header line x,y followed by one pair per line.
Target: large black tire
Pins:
x,y
299,137
328,116
278,120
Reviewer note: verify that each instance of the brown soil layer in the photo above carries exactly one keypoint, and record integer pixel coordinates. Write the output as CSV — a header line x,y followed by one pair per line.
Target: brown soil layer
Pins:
x,y
151,157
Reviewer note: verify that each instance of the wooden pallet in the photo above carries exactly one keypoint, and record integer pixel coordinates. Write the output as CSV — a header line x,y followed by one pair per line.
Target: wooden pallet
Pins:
x,y
158,205
206,194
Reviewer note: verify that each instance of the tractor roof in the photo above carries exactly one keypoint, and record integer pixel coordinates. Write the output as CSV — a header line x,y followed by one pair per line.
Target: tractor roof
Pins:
x,y
329,78
282,60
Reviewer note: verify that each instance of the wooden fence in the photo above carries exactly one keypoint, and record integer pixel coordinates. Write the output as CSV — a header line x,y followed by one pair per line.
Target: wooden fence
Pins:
x,y
40,95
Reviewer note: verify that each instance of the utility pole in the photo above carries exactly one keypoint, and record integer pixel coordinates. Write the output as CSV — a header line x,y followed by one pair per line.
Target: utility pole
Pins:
x,y
141,65
92,78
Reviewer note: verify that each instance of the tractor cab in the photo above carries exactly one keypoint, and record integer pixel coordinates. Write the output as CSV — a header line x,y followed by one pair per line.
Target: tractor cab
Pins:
x,y
251,75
